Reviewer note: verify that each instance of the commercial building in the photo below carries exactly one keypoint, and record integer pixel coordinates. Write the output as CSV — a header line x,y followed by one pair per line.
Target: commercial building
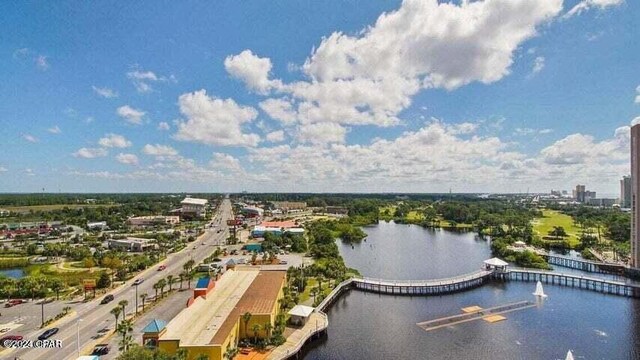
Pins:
x,y
97,225
337,210
131,244
259,231
603,202
213,323
193,207
153,220
635,192
289,205
252,211
625,192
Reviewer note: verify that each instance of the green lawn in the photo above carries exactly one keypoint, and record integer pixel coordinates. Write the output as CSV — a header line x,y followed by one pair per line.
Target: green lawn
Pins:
x,y
552,218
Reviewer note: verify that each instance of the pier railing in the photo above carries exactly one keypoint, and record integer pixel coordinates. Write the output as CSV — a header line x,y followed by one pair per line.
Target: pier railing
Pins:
x,y
628,288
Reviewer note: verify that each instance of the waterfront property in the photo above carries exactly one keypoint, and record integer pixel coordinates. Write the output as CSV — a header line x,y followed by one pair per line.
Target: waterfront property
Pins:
x,y
213,323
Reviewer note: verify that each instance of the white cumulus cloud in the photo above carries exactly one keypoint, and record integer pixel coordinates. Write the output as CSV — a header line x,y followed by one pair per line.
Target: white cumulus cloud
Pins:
x,y
114,140
252,70
275,136
159,150
130,115
129,159
90,153
585,5
215,121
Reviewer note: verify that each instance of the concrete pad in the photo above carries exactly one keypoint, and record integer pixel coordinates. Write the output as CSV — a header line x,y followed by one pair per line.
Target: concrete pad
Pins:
x,y
494,318
471,309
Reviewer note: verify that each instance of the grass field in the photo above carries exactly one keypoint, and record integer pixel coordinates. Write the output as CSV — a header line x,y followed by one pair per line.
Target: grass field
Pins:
x,y
552,218
23,209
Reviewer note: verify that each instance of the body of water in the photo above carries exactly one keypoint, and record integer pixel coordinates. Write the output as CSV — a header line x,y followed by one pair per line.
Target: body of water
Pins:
x,y
16,273
372,326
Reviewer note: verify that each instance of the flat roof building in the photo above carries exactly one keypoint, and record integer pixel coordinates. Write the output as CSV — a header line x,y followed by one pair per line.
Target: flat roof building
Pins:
x,y
193,206
153,220
213,323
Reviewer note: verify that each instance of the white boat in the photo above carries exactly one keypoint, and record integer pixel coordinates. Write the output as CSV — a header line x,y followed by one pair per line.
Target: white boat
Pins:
x,y
539,291
569,356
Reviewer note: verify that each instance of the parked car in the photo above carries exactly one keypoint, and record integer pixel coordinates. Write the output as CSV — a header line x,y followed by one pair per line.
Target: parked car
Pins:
x,y
10,337
47,334
161,267
138,281
283,262
101,349
107,299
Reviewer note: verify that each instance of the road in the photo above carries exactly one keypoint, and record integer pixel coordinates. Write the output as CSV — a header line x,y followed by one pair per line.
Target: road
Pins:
x,y
91,317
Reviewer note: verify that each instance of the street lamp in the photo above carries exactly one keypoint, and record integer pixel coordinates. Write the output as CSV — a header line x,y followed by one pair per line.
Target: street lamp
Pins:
x,y
78,336
42,308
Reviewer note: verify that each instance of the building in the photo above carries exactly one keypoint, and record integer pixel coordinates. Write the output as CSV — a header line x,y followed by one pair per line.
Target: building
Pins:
x,y
604,202
193,207
581,195
252,212
131,244
213,323
635,192
337,210
289,205
300,314
259,231
625,192
153,220
97,225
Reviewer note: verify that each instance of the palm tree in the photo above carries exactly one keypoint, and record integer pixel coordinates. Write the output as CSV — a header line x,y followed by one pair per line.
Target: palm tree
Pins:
x,y
125,327
231,353
156,287
246,317
181,280
255,329
189,277
181,354
170,280
267,329
57,285
123,304
116,312
66,309
162,283
143,297
202,357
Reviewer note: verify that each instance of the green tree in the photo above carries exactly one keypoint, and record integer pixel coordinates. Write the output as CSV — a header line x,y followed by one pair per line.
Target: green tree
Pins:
x,y
143,297
170,281
123,304
56,285
246,317
116,312
125,327
256,328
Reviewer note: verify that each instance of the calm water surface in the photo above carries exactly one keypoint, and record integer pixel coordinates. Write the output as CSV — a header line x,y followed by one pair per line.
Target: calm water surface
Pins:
x,y
372,326
16,273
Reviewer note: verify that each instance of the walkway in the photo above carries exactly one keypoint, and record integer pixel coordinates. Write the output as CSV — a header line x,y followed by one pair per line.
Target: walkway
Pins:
x,y
316,325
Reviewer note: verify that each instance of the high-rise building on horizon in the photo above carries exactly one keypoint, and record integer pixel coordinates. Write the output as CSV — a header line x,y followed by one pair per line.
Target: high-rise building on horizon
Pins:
x,y
625,192
581,195
635,191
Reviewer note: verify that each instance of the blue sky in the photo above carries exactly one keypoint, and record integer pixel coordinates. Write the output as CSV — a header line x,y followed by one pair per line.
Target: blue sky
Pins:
x,y
421,96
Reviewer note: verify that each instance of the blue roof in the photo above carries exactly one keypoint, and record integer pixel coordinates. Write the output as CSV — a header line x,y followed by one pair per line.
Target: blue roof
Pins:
x,y
155,326
202,283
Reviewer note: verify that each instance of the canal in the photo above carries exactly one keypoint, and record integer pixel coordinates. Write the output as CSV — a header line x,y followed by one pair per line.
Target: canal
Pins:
x,y
371,326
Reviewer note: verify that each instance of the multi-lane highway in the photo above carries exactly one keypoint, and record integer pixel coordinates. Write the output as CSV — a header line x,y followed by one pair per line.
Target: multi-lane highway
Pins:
x,y
91,317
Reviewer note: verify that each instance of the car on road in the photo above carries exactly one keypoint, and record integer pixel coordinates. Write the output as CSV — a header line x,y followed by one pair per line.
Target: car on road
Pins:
x,y
161,267
101,349
13,302
138,281
283,262
10,337
47,334
107,299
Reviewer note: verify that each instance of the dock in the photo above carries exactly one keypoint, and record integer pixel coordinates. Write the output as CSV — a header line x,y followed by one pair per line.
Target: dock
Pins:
x,y
492,314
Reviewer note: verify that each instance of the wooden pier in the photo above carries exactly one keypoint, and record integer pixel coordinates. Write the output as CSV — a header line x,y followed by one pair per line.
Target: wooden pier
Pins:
x,y
474,315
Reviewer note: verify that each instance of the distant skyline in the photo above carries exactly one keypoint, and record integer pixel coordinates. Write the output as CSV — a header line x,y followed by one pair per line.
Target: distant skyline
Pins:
x,y
492,96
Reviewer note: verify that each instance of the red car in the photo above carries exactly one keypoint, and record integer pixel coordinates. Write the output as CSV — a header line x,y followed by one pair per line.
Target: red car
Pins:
x,y
162,267
13,302
10,337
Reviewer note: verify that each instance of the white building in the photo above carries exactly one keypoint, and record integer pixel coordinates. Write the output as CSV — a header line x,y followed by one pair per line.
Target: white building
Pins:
x,y
97,225
131,244
194,206
153,220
